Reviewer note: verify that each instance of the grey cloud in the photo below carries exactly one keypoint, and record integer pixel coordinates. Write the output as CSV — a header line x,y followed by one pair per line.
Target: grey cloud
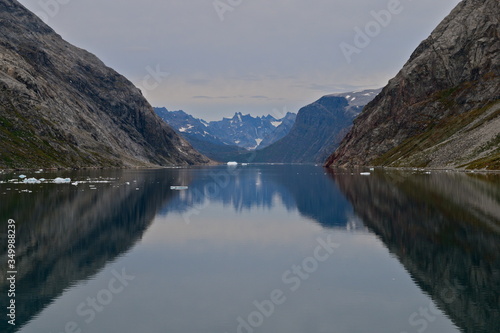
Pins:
x,y
282,49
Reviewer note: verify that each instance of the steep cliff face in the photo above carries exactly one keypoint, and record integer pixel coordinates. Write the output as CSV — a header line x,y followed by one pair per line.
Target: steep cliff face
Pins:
x,y
443,108
60,106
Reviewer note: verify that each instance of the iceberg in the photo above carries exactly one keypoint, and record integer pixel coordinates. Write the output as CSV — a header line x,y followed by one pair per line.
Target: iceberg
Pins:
x,y
22,176
365,174
232,163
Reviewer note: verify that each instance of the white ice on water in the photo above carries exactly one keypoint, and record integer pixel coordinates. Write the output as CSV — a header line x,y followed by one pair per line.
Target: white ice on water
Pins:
x,y
62,180
32,181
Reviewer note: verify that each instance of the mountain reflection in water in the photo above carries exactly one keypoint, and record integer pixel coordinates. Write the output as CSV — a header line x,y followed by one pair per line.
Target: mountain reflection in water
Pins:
x,y
443,227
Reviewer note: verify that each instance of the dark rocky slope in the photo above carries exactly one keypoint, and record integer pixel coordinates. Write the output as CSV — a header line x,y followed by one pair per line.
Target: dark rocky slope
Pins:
x,y
442,109
60,106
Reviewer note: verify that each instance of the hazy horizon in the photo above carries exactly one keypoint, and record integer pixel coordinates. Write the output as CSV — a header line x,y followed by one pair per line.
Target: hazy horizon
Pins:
x,y
214,58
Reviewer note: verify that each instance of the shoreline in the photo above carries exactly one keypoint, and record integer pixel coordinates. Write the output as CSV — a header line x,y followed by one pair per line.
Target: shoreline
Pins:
x,y
357,168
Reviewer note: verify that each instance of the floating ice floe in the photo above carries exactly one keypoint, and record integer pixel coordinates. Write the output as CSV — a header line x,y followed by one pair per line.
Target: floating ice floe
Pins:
x,y
232,163
179,188
62,180
22,176
365,174
244,164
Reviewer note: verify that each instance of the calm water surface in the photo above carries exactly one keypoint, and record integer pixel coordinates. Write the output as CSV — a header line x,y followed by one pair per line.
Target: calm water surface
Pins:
x,y
253,249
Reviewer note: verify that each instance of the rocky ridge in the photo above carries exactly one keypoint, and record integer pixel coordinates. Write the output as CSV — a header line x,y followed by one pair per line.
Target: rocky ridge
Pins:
x,y
442,109
61,107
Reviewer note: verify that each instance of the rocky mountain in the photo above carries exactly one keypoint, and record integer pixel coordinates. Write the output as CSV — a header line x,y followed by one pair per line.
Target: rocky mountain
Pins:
x,y
317,131
188,126
230,136
60,106
443,108
247,131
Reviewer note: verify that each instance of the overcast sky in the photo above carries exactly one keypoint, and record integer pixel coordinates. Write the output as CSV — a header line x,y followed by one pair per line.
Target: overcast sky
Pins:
x,y
213,58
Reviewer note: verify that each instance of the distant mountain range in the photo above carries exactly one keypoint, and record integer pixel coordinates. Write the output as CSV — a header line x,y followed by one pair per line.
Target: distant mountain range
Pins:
x,y
228,137
442,110
306,137
61,107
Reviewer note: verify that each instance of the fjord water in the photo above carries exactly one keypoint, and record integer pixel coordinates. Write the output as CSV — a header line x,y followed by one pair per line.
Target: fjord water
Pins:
x,y
259,248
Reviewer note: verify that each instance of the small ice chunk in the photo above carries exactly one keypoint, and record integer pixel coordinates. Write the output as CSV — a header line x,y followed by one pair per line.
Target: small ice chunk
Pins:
x,y
74,184
22,176
244,164
179,188
232,163
365,174
59,180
